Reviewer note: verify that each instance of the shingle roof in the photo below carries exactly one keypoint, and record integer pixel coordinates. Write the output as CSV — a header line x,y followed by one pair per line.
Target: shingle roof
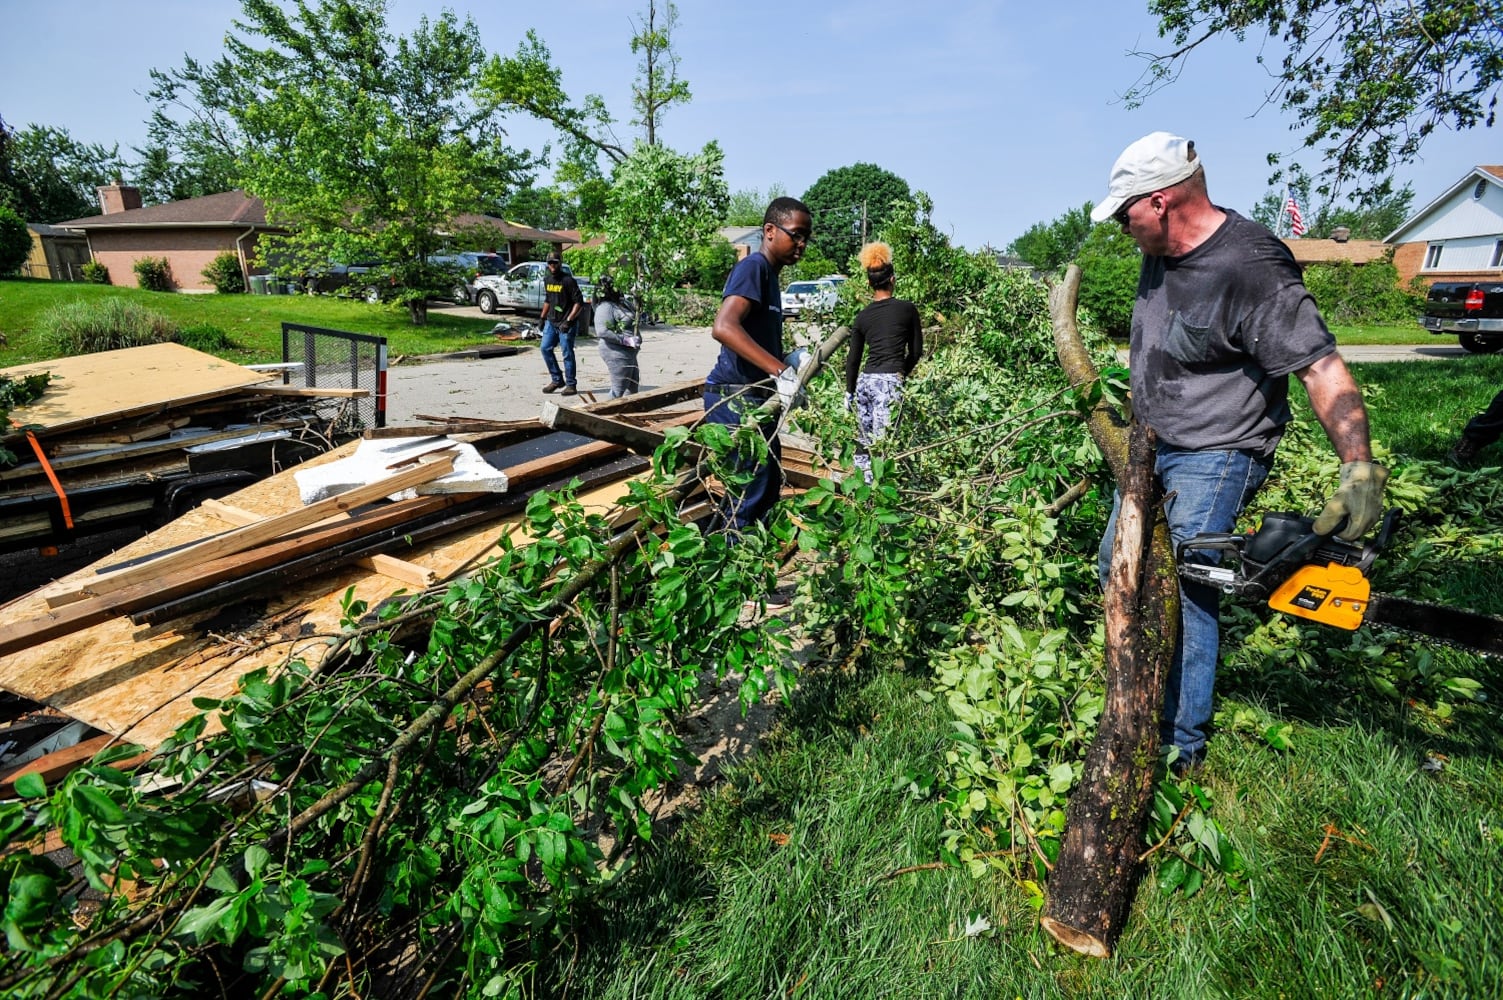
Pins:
x,y
510,230
1330,251
229,208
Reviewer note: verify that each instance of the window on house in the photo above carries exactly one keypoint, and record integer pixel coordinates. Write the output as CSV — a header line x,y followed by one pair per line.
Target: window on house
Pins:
x,y
1497,260
1480,189
1432,256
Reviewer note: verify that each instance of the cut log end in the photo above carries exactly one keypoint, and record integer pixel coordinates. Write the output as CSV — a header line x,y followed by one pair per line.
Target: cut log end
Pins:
x,y
1076,940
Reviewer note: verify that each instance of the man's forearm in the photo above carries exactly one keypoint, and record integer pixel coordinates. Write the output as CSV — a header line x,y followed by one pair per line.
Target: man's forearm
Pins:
x,y
1338,406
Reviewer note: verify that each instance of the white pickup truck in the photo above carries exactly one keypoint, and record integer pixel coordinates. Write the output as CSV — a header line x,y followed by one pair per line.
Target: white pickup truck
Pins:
x,y
521,290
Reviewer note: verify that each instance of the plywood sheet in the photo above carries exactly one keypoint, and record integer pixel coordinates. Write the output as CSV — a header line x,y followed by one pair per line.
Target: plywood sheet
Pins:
x,y
142,690
111,385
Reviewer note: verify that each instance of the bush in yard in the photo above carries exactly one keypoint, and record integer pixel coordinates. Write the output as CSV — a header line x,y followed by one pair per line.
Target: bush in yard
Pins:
x,y
204,337
225,275
81,327
15,241
1347,293
95,273
153,274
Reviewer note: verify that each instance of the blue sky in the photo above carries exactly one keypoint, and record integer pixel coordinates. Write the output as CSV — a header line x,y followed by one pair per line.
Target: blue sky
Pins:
x,y
1006,113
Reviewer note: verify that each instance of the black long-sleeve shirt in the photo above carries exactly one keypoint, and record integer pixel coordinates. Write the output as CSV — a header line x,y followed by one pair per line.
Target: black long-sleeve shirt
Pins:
x,y
888,331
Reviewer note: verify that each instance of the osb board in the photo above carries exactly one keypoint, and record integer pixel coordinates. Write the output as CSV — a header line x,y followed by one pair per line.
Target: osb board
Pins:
x,y
142,690
112,385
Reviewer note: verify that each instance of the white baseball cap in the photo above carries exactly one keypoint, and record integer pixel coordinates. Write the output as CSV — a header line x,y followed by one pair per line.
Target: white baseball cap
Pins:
x,y
1156,161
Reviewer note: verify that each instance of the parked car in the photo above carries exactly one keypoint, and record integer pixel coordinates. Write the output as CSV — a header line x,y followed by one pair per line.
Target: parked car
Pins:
x,y
345,280
811,296
1472,310
522,289
467,265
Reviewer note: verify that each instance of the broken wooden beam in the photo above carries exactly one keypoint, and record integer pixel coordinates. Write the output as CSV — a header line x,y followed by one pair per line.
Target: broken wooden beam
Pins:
x,y
1095,877
196,577
240,539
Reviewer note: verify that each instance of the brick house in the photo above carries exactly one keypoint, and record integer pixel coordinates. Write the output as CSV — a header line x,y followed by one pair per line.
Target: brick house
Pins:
x,y
189,233
512,241
1458,236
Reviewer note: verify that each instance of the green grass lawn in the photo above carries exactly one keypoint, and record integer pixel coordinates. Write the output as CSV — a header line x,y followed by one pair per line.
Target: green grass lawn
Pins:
x,y
253,323
1400,333
1369,875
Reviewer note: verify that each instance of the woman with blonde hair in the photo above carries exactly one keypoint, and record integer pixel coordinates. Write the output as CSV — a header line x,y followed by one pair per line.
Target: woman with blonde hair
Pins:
x,y
887,331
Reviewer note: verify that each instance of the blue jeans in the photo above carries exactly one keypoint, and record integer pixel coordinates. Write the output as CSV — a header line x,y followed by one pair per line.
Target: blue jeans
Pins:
x,y
754,501
1204,491
559,336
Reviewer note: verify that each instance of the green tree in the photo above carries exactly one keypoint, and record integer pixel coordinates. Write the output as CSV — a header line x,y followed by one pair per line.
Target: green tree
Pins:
x,y
658,86
662,206
1369,218
540,207
52,177
162,178
15,241
363,145
528,81
1049,246
1367,80
748,205
1109,262
195,142
848,204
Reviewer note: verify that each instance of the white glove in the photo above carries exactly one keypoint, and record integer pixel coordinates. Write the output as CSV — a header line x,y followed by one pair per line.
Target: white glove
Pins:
x,y
788,390
792,396
846,405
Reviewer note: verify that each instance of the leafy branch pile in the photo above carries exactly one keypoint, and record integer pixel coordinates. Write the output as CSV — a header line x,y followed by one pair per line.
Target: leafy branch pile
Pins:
x,y
411,823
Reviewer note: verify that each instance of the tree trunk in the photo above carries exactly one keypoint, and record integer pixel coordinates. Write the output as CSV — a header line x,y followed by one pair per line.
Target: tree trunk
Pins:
x,y
1095,877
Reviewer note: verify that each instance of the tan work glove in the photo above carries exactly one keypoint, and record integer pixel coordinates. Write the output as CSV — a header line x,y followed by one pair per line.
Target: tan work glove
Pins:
x,y
1359,499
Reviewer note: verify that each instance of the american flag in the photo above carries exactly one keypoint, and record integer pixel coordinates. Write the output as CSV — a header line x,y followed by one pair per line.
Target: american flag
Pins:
x,y
1296,221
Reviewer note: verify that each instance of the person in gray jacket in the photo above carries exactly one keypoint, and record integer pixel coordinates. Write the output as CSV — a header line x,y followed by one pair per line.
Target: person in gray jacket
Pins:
x,y
619,341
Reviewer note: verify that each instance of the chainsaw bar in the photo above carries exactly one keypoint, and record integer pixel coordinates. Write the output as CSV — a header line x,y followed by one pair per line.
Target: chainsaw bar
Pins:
x,y
1465,629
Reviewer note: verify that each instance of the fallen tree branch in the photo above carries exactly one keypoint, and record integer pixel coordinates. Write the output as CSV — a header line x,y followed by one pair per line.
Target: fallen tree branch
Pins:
x,y
1096,874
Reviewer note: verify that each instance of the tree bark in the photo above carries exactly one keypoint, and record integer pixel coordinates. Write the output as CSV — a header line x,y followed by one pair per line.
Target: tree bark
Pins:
x,y
1095,877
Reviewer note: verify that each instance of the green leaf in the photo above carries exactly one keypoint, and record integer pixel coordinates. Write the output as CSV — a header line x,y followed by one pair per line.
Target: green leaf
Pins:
x,y
31,786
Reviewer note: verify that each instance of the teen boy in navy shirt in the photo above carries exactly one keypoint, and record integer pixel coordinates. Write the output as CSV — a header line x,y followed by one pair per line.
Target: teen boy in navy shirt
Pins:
x,y
751,365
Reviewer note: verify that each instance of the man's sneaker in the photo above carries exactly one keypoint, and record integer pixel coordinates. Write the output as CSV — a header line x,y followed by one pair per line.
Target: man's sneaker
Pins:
x,y
569,390
1463,451
553,387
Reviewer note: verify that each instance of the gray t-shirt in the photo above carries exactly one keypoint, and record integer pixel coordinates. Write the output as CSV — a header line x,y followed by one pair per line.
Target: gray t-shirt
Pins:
x,y
1215,335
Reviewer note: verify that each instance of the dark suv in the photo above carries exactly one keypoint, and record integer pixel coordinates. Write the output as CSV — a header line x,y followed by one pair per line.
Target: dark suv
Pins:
x,y
466,266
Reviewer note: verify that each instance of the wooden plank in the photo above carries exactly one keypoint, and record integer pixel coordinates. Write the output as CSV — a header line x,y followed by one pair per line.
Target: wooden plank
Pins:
x,y
240,539
58,764
401,570
142,432
641,402
310,392
642,440
112,385
194,575
144,449
142,689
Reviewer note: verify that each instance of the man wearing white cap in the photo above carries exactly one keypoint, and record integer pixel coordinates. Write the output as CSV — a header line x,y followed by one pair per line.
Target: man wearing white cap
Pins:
x,y
1221,320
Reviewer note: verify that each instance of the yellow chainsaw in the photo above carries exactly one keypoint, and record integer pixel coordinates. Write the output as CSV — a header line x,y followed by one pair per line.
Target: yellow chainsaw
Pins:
x,y
1324,579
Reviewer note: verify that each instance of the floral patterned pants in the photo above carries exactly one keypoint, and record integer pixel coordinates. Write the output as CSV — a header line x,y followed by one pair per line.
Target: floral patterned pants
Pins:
x,y
877,399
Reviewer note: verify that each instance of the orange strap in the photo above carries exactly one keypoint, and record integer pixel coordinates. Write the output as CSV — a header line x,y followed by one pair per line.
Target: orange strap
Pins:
x,y
57,487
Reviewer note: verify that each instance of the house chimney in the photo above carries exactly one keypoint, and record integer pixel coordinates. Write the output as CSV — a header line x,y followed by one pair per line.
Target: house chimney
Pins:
x,y
118,197
1341,234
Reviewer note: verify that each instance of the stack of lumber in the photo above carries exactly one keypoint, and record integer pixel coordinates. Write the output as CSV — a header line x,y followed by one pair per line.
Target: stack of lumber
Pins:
x,y
257,578
118,434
